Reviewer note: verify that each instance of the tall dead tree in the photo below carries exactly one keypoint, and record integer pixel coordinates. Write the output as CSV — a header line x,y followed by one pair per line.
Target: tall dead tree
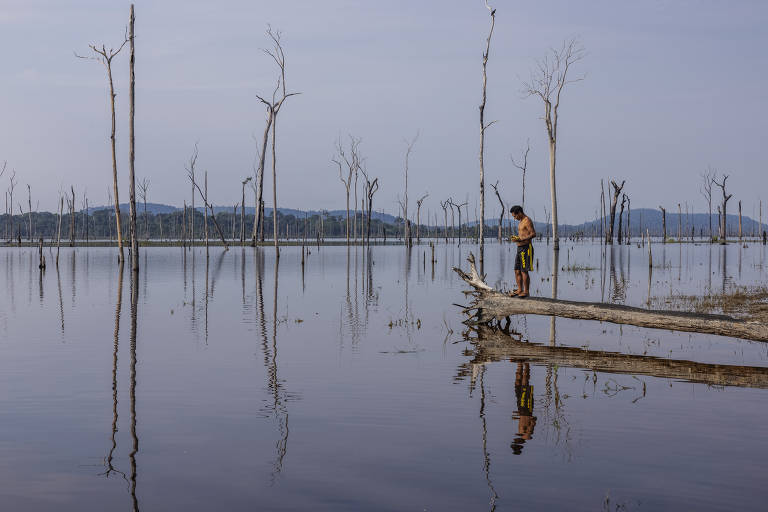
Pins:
x,y
132,148
706,191
523,166
616,192
663,224
629,224
279,95
483,127
739,220
501,215
404,204
547,82
679,223
105,57
723,209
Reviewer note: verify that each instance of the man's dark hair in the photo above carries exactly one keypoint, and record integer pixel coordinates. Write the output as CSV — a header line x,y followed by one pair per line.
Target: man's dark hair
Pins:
x,y
516,209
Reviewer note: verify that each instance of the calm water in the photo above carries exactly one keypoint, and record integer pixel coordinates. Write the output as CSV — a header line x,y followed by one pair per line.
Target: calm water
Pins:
x,y
227,383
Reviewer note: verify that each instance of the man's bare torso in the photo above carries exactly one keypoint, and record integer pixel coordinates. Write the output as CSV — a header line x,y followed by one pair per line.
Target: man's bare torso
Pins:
x,y
525,231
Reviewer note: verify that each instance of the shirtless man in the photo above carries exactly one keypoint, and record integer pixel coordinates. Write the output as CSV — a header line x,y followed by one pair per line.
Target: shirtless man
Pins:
x,y
524,258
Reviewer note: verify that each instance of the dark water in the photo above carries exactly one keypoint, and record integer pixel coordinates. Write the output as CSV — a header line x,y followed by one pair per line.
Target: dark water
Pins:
x,y
227,383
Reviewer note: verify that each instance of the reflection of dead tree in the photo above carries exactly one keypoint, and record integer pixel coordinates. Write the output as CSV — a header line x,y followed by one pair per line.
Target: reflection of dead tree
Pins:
x,y
132,387
486,455
726,197
547,82
105,57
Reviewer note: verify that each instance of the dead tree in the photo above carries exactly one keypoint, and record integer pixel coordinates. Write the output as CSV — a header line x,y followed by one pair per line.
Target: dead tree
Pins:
x,y
105,56
547,82
621,213
371,187
205,211
204,197
523,166
58,231
132,149
739,220
242,212
351,164
616,192
404,203
418,217
706,191
29,214
273,107
12,185
483,127
71,204
444,205
679,223
663,224
143,188
498,196
724,204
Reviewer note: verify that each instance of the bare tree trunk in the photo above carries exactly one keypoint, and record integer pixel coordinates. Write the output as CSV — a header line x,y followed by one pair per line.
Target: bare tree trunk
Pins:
x,y
58,235
629,223
205,215
679,223
616,192
29,212
258,219
740,220
274,186
621,213
723,216
132,150
483,126
184,226
72,219
603,219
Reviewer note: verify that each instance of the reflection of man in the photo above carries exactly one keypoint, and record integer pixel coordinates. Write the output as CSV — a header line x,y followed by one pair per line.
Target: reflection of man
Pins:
x,y
526,421
524,257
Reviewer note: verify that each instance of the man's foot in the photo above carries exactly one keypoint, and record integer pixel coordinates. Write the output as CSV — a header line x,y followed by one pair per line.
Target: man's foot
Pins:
x,y
521,295
514,293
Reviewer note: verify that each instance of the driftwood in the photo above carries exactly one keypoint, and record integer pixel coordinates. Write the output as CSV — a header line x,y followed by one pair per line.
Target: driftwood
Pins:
x,y
490,305
492,344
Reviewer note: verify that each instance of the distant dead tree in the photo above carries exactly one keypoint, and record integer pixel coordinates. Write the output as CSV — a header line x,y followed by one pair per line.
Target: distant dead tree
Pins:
x,y
71,205
29,212
621,213
663,224
105,56
242,212
279,95
203,196
498,196
523,166
723,209
352,162
547,82
143,188
404,204
616,192
483,127
706,191
418,216
11,186
444,205
371,187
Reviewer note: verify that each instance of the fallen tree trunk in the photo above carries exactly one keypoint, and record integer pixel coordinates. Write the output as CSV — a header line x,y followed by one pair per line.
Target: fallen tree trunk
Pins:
x,y
491,344
490,305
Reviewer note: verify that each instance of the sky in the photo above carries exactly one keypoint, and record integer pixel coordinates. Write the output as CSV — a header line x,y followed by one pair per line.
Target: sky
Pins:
x,y
670,88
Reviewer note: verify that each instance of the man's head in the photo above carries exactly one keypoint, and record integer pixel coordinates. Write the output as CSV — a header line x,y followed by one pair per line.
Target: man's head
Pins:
x,y
517,212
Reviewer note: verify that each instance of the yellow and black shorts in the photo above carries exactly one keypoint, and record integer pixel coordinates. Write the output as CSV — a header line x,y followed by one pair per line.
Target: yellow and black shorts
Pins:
x,y
524,258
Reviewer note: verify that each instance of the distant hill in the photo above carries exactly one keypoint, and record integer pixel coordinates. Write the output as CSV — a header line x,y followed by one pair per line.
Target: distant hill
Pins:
x,y
157,208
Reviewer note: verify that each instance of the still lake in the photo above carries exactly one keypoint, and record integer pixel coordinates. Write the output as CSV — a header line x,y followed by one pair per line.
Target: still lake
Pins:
x,y
229,383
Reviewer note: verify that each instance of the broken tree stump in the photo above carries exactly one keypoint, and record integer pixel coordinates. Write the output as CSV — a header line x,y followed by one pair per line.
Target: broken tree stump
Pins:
x,y
491,305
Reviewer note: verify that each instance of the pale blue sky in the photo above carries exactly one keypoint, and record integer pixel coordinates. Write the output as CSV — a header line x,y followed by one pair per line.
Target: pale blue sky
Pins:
x,y
671,87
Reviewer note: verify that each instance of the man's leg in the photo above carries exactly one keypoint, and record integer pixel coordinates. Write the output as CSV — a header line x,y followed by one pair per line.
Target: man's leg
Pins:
x,y
526,283
519,280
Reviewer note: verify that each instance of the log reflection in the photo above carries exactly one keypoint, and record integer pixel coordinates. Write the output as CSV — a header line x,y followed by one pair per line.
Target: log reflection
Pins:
x,y
116,343
132,389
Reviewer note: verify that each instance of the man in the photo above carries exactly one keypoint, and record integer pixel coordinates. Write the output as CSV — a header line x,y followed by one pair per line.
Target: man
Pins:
x,y
524,257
